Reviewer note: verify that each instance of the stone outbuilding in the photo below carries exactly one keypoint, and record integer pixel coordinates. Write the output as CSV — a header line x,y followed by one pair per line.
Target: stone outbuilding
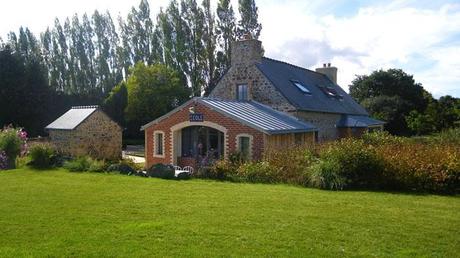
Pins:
x,y
86,130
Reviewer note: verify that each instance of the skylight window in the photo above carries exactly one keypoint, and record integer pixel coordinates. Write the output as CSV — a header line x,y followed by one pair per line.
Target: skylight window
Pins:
x,y
301,87
331,92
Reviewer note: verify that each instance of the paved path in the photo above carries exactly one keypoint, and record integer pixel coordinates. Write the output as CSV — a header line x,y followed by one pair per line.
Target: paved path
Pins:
x,y
136,159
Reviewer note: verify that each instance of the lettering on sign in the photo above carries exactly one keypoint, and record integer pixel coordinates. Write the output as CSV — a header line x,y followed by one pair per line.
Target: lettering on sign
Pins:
x,y
196,117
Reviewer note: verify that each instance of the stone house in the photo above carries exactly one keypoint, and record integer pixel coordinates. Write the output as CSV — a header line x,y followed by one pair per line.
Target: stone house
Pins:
x,y
312,96
86,130
259,104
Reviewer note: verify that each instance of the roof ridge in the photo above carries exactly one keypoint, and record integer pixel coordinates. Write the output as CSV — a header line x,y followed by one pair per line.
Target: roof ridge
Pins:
x,y
293,65
85,107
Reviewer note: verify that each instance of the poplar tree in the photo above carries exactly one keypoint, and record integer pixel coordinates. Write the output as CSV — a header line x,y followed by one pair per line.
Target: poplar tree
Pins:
x,y
249,19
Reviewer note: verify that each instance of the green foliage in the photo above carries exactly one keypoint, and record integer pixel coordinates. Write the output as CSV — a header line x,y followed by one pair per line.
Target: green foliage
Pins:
x,y
152,92
116,102
354,161
97,166
249,19
325,174
449,136
394,97
41,155
24,92
10,142
79,164
391,109
256,172
85,164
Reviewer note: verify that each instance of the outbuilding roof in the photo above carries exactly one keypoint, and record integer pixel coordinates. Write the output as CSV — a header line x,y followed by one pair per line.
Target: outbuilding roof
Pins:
x,y
358,121
252,114
321,95
72,118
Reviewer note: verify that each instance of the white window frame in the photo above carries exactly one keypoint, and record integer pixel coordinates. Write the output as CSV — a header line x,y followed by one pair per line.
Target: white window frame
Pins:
x,y
237,138
155,144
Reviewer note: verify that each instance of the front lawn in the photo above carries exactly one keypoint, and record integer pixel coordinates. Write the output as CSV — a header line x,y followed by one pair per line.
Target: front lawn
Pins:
x,y
58,213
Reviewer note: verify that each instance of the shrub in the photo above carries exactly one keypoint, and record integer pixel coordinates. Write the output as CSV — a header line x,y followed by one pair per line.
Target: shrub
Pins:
x,y
97,166
422,166
354,161
325,174
79,164
256,172
221,169
3,160
41,155
450,136
12,142
291,165
161,171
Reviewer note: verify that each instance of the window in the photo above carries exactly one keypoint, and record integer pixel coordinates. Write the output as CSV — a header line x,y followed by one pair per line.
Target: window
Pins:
x,y
242,92
158,144
244,145
301,87
331,92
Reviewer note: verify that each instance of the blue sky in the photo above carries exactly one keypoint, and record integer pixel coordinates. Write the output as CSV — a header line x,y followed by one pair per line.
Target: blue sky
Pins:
x,y
419,36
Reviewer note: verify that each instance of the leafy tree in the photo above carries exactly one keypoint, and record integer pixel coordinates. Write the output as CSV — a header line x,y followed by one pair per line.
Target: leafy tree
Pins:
x,y
249,23
390,95
195,55
211,74
115,104
391,109
226,28
152,92
24,91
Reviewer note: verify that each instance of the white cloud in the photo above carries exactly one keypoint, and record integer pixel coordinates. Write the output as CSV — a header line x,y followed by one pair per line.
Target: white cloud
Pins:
x,y
375,37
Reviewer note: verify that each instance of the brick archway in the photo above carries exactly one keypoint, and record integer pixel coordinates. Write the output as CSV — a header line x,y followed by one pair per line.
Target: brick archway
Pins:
x,y
175,137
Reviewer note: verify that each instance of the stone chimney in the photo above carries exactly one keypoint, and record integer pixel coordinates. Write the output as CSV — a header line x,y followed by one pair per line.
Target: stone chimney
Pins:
x,y
246,51
329,71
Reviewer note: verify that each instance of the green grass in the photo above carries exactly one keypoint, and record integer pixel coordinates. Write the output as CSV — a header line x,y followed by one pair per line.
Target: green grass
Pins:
x,y
58,213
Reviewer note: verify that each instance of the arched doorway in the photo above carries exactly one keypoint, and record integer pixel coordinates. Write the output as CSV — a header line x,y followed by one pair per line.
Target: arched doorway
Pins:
x,y
198,144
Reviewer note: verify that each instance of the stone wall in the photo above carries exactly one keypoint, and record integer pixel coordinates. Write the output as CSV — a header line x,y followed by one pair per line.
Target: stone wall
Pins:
x,y
325,122
98,136
260,88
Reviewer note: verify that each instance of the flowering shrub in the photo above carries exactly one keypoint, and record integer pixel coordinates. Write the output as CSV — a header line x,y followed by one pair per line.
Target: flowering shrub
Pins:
x,y
3,160
13,142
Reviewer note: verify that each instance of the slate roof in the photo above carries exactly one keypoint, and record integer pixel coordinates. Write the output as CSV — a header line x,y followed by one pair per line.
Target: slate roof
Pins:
x,y
357,121
72,118
250,113
282,74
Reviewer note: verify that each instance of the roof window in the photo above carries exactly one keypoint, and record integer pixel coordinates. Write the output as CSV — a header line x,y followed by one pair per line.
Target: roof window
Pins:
x,y
331,92
301,87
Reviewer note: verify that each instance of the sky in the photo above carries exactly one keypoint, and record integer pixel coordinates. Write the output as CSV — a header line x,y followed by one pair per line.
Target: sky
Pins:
x,y
422,37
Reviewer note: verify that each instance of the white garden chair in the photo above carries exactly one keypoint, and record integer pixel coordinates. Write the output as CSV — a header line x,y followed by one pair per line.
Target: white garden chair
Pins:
x,y
188,169
176,168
